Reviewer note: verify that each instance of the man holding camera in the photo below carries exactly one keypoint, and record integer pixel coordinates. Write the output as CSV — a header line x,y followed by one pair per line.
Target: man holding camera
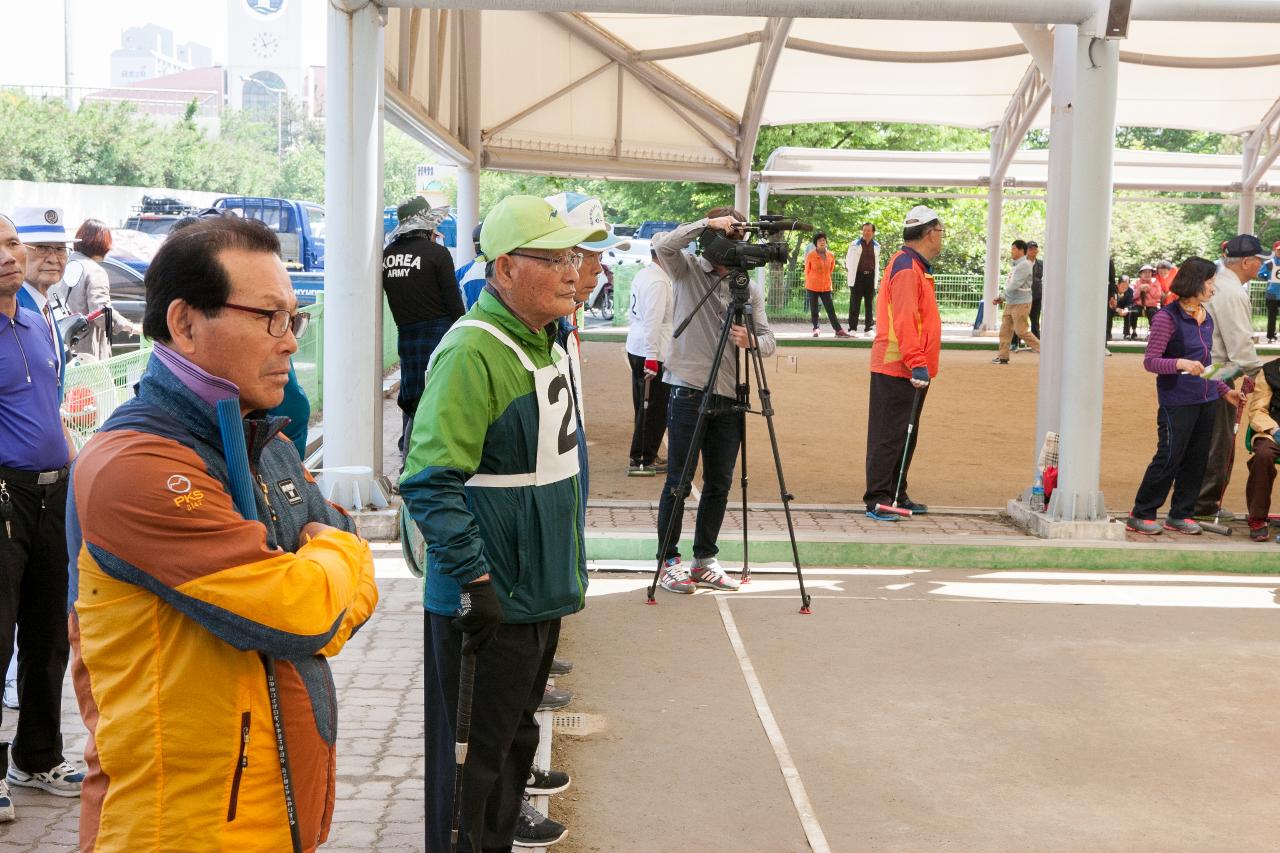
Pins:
x,y
904,358
687,368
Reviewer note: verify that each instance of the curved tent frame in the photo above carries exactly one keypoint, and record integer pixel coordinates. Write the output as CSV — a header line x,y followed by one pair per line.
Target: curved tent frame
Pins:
x,y
671,90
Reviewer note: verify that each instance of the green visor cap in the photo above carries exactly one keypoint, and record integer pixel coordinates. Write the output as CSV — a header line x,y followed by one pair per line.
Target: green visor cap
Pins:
x,y
528,222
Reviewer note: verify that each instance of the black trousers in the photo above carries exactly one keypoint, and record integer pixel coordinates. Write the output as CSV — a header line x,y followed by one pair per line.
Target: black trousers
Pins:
x,y
1131,324
1218,455
1182,444
825,297
646,436
1035,315
1273,308
721,442
511,674
33,596
863,292
889,413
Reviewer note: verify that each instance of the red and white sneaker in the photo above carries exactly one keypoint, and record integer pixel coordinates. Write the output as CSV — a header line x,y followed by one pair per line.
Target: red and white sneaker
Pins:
x,y
675,578
709,574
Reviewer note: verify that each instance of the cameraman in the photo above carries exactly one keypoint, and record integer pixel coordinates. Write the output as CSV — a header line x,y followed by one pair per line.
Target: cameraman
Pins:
x,y
687,368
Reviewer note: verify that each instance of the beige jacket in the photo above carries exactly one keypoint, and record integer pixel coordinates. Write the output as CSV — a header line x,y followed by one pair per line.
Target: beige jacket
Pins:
x,y
1257,414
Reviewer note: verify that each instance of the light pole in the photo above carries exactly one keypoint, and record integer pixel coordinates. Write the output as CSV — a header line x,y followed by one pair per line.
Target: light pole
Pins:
x,y
279,93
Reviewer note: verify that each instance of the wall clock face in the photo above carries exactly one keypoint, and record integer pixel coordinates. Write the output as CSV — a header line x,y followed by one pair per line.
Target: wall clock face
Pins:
x,y
265,45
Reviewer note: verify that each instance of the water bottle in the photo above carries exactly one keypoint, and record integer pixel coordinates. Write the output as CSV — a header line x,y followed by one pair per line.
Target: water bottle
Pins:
x,y
1037,493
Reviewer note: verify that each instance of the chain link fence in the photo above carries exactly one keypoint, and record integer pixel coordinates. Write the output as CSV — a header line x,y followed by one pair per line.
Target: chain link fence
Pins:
x,y
95,389
958,297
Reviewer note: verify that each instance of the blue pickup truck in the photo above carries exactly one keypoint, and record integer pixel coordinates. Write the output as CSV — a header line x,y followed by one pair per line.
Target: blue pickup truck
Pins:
x,y
298,224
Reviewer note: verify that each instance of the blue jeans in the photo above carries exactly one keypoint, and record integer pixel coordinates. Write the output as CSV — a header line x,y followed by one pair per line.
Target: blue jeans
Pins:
x,y
719,447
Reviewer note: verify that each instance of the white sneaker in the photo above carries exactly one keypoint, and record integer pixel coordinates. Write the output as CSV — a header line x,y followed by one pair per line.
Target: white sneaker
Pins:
x,y
675,578
11,694
709,574
6,802
62,781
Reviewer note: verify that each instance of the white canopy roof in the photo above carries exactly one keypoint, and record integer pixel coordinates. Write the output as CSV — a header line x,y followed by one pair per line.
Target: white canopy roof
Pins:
x,y
680,96
798,168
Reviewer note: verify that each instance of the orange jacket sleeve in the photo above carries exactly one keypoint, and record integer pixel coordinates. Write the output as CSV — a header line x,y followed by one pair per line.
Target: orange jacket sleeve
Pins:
x,y
904,315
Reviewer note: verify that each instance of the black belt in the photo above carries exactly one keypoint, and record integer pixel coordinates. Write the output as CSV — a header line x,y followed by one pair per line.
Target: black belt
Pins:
x,y
36,478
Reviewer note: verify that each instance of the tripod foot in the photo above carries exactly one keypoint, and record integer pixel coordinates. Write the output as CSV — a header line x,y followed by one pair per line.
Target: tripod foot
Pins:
x,y
650,599
804,606
745,579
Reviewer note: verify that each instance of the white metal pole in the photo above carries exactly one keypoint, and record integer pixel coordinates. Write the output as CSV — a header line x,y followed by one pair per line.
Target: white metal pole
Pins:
x,y
279,124
68,58
762,190
469,173
1248,211
1053,306
742,197
1078,497
353,181
995,212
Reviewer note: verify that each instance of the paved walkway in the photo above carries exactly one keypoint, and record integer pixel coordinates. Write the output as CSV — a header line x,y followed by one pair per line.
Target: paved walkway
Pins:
x,y
380,736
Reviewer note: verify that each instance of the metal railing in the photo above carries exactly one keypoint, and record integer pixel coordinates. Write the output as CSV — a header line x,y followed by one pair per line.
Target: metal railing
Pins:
x,y
958,298
152,101
95,389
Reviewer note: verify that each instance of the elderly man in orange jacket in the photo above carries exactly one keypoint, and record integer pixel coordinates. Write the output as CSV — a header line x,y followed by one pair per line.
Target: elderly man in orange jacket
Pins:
x,y
904,358
210,581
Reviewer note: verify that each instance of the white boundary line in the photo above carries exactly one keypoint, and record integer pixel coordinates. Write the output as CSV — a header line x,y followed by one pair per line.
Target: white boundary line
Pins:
x,y
800,799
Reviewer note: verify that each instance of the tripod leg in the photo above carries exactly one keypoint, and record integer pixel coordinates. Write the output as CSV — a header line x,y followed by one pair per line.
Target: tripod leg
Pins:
x,y
766,409
690,460
744,399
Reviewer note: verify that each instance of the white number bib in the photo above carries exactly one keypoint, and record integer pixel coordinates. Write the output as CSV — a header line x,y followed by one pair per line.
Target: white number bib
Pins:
x,y
557,418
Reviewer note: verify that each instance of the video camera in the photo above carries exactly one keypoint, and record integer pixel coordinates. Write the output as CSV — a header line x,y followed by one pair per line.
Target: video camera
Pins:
x,y
718,249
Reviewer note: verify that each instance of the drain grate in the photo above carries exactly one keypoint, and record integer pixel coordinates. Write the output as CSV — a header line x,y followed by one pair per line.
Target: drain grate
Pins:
x,y
569,722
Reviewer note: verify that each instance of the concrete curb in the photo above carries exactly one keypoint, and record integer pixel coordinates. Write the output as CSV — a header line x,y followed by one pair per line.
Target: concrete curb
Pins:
x,y
976,552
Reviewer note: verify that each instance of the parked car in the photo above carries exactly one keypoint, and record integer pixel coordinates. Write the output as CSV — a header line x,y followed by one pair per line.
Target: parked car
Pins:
x,y
157,216
128,297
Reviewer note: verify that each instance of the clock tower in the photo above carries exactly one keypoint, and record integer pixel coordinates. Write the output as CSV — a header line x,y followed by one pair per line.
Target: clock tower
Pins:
x,y
264,54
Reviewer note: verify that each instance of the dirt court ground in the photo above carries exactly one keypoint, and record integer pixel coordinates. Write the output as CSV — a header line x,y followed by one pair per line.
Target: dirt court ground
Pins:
x,y
977,434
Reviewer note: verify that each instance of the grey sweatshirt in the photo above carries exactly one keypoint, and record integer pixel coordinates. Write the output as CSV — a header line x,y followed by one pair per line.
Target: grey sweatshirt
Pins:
x,y
689,362
1017,290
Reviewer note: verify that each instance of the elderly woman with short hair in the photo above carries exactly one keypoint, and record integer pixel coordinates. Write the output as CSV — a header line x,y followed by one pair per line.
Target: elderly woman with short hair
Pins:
x,y
1178,351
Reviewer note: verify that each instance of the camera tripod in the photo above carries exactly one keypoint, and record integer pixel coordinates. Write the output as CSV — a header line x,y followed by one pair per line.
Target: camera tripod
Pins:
x,y
738,313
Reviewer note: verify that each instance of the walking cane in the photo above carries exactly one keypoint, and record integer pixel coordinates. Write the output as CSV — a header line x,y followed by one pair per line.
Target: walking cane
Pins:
x,y
644,422
894,509
466,684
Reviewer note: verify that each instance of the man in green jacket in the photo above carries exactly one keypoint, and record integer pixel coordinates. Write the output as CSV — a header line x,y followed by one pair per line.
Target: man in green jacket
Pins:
x,y
493,481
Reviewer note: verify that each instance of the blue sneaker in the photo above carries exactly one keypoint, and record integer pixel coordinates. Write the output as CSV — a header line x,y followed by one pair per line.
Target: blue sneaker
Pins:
x,y
6,802
882,516
916,509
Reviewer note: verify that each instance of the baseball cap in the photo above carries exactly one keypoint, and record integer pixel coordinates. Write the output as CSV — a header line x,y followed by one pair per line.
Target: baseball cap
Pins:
x,y
1245,246
919,215
1145,267
1032,244
583,210
528,222
40,225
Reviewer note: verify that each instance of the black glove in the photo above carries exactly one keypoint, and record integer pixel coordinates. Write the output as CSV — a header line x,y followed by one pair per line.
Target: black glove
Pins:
x,y
479,616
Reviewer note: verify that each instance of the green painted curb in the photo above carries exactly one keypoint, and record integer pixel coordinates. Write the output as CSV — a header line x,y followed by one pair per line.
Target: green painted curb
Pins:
x,y
1036,554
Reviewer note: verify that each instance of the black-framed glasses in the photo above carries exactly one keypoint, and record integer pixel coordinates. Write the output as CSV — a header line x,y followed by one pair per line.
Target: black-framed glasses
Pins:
x,y
572,259
279,320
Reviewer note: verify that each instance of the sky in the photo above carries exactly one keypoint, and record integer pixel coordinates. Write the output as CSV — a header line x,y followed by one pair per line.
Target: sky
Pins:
x,y
33,53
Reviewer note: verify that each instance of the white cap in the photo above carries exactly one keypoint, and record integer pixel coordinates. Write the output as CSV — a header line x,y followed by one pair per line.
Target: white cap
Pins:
x,y
584,211
40,225
919,215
